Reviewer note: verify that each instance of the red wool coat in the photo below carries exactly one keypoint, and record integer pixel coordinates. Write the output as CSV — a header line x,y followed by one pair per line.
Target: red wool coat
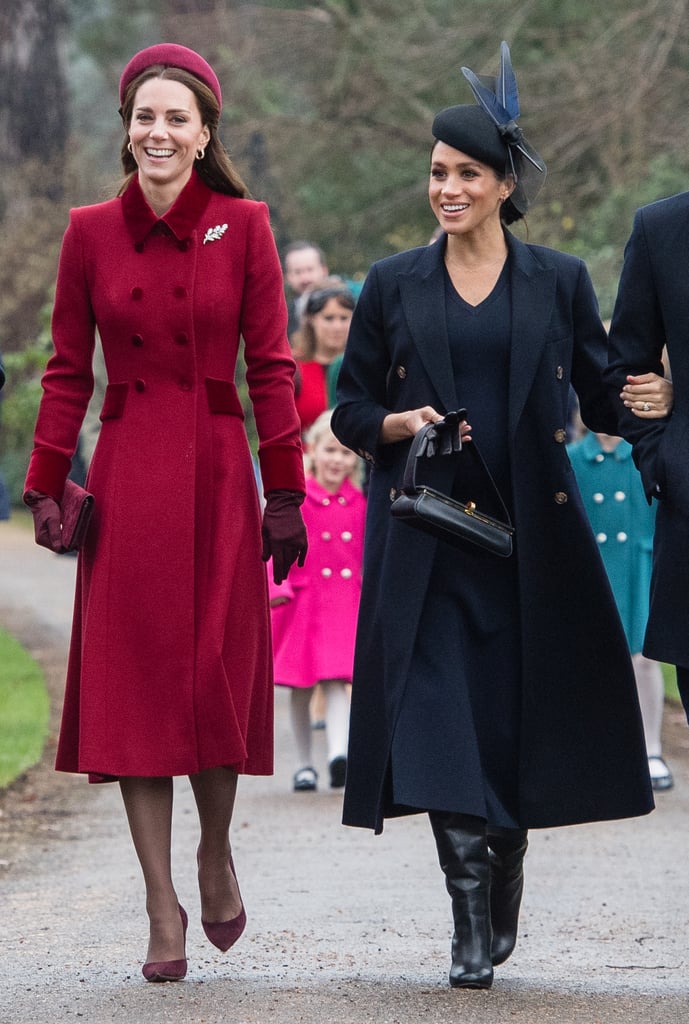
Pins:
x,y
170,662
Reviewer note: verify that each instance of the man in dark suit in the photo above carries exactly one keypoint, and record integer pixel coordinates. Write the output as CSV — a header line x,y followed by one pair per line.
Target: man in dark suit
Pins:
x,y
651,317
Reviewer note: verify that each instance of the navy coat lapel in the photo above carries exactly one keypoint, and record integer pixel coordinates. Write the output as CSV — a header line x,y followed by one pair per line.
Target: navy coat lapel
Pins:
x,y
533,295
422,292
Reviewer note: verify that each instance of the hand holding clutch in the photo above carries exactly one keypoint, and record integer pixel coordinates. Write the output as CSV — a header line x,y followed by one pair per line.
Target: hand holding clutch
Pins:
x,y
47,520
284,533
61,527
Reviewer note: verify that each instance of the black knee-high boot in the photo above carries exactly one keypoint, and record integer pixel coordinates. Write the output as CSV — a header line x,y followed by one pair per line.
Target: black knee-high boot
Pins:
x,y
463,856
507,847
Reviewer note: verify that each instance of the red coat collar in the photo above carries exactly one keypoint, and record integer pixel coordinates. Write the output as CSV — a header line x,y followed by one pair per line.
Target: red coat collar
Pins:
x,y
180,219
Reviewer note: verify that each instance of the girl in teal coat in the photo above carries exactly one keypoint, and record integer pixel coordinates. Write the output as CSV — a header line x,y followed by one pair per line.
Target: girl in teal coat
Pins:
x,y
623,523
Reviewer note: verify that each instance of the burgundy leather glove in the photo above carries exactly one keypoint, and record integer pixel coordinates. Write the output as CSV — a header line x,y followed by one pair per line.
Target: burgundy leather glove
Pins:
x,y
283,531
47,520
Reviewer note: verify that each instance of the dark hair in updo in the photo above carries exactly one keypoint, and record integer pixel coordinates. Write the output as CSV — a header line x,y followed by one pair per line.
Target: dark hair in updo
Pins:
x,y
469,129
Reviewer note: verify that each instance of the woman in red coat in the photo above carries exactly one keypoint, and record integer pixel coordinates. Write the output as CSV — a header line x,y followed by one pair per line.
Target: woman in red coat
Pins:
x,y
170,662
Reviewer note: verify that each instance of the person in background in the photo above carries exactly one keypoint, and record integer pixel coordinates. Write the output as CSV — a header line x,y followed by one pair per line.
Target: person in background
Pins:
x,y
314,612
169,670
494,694
304,267
623,523
319,346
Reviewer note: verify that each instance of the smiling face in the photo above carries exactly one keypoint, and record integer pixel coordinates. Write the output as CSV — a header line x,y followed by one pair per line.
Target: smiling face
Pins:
x,y
332,463
331,329
165,133
465,194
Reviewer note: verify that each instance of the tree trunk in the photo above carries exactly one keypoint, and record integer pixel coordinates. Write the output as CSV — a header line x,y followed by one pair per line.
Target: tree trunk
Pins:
x,y
34,121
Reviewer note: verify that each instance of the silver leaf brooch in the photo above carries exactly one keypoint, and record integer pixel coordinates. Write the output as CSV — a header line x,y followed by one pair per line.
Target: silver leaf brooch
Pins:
x,y
213,234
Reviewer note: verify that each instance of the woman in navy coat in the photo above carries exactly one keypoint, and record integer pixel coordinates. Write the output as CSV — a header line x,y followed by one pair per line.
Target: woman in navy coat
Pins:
x,y
495,694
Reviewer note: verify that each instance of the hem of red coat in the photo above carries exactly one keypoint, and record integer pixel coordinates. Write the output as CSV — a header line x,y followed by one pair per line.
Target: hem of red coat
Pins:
x,y
100,777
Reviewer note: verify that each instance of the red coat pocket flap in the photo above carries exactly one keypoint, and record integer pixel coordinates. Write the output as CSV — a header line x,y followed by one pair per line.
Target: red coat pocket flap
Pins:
x,y
223,397
114,401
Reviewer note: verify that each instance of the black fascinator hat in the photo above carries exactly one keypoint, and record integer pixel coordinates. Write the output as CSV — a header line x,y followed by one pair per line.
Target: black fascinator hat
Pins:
x,y
489,132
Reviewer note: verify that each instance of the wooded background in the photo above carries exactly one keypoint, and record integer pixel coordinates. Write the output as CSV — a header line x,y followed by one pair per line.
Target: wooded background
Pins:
x,y
327,113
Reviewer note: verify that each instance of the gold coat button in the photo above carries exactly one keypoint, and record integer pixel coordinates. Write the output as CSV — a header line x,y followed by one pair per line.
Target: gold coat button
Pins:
x,y
560,435
401,372
561,497
560,372
393,493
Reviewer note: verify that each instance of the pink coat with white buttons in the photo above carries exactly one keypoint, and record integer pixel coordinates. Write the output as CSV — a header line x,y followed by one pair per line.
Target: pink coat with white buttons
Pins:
x,y
314,631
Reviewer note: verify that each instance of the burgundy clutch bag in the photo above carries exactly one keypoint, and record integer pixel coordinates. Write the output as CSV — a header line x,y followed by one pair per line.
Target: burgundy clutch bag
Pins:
x,y
77,508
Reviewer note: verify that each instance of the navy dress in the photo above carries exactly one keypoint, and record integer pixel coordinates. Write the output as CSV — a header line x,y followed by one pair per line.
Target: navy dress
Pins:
x,y
460,714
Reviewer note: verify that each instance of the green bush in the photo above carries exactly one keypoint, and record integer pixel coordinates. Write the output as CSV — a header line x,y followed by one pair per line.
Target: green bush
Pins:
x,y
24,710
22,394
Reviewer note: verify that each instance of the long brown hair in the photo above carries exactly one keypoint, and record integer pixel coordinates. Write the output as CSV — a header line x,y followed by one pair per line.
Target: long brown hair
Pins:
x,y
216,167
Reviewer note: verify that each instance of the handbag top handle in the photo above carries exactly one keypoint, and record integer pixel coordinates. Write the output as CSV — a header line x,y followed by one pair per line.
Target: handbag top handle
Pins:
x,y
417,452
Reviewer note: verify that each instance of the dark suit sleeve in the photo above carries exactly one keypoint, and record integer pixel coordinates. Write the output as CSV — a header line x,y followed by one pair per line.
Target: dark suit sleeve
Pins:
x,y
589,359
637,339
362,382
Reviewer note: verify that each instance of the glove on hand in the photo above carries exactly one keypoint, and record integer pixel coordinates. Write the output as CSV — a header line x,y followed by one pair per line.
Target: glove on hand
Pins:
x,y
446,436
47,520
283,531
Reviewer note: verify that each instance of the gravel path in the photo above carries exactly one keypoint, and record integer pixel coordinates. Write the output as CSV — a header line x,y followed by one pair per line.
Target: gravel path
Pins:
x,y
343,927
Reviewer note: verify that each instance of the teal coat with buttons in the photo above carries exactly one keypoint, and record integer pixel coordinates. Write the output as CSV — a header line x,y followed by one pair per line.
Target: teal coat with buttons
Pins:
x,y
623,524
582,754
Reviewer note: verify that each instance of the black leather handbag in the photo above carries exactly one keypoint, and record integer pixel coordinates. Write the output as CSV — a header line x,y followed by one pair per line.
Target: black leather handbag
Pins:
x,y
454,522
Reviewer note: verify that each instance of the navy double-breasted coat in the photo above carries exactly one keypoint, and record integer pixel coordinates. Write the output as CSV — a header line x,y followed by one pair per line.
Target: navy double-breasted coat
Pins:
x,y
582,755
652,311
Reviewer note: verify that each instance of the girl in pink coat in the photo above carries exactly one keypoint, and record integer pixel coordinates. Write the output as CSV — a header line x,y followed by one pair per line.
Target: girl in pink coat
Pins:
x,y
314,612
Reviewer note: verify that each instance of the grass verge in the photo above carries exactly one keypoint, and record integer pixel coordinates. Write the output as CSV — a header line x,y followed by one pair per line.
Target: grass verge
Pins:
x,y
670,680
24,709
